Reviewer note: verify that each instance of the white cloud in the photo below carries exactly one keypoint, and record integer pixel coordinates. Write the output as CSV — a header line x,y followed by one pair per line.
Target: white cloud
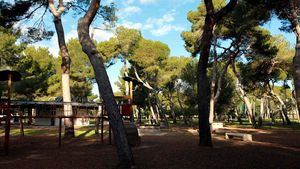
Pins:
x,y
162,26
71,34
146,2
102,35
167,18
132,25
165,29
131,10
128,2
156,26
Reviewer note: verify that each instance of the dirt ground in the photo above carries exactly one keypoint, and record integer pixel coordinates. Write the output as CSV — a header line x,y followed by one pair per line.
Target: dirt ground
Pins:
x,y
176,148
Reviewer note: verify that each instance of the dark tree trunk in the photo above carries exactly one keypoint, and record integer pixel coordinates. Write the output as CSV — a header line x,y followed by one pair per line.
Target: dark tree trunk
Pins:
x,y
139,115
202,84
123,149
204,46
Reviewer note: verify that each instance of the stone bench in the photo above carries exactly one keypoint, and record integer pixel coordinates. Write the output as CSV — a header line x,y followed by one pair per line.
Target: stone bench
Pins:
x,y
244,136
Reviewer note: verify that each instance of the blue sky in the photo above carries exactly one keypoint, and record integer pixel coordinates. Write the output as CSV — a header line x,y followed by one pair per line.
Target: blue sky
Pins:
x,y
162,20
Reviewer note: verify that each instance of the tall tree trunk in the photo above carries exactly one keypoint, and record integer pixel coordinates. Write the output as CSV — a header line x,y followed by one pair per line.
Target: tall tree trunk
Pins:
x,y
296,62
204,46
123,149
213,83
65,67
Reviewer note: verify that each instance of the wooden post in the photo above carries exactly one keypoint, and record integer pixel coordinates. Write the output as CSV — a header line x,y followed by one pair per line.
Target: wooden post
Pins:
x,y
109,132
131,99
102,123
21,124
59,134
7,123
98,120
131,91
29,111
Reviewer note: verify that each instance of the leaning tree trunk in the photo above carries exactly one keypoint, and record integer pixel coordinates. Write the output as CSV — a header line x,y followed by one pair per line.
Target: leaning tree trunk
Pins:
x,y
296,62
123,149
154,116
65,67
211,18
244,96
284,112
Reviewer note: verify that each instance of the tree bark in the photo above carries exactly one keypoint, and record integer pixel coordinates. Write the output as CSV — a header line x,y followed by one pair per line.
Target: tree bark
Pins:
x,y
65,67
123,149
211,19
296,61
213,83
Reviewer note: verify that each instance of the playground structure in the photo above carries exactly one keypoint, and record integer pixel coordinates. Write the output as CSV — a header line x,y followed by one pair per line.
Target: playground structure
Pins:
x,y
51,114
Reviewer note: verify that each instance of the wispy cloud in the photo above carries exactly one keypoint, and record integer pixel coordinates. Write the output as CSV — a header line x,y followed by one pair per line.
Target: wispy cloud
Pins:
x,y
146,2
128,2
132,25
156,26
132,9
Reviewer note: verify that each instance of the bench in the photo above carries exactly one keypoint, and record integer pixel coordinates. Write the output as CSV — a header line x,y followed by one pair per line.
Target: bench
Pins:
x,y
244,136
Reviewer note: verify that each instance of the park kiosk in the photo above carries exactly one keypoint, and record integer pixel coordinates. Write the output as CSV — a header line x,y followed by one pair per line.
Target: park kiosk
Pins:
x,y
9,76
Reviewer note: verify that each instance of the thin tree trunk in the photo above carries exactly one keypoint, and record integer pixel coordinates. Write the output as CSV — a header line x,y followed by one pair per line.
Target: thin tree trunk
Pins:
x,y
181,107
244,96
123,149
98,120
172,107
157,112
65,67
139,120
220,79
152,112
296,107
213,83
161,113
283,108
262,112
